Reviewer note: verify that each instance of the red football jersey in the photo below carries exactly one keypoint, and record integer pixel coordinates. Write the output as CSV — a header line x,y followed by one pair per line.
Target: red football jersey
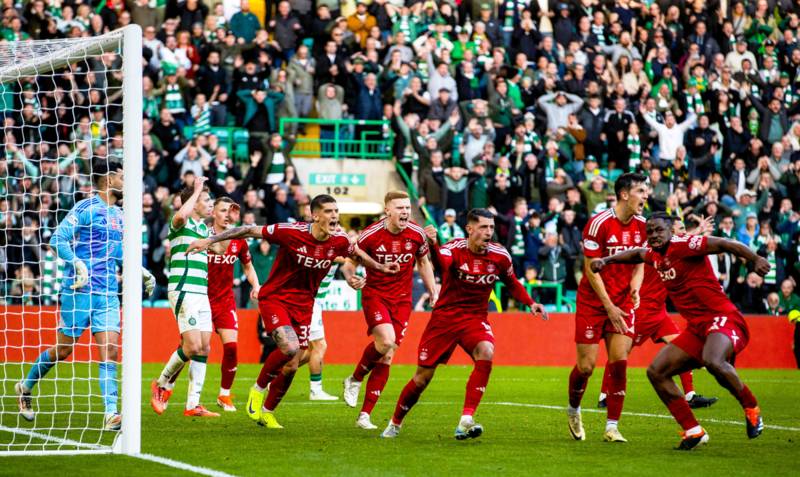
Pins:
x,y
652,295
220,270
469,278
603,236
301,264
689,279
385,247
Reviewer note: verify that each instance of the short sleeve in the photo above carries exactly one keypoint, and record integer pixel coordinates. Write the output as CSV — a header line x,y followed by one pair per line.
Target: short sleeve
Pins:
x,y
593,240
423,248
244,253
649,256
347,248
276,233
692,246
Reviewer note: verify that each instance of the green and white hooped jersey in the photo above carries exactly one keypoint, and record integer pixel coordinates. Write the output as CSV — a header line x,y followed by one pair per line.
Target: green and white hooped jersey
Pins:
x,y
322,292
188,273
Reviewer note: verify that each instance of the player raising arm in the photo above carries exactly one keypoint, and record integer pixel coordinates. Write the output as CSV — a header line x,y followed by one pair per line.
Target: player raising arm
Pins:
x,y
286,300
188,297
89,240
386,299
470,268
716,330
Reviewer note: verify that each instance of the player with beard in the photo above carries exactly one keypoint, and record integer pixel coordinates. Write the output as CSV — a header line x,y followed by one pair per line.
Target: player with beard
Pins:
x,y
716,330
606,303
386,299
286,300
89,240
470,268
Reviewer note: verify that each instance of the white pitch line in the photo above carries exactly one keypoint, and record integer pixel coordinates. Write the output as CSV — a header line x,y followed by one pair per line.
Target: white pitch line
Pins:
x,y
59,440
181,465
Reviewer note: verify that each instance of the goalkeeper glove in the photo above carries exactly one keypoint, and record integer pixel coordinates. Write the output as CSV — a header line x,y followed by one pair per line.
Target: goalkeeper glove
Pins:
x,y
81,274
149,281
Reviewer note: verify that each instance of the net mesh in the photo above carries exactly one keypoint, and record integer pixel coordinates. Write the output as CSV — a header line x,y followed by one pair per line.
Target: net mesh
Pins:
x,y
61,107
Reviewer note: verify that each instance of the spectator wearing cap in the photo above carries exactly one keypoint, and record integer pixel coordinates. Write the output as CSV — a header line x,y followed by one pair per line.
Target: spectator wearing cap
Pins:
x,y
493,30
747,205
443,106
449,229
733,60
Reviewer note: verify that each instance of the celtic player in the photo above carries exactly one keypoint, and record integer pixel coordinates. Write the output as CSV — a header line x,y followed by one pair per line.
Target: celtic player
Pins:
x,y
89,241
188,297
316,342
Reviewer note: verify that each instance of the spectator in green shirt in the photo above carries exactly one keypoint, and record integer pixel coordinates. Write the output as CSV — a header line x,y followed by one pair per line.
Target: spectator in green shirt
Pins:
x,y
788,299
244,24
450,230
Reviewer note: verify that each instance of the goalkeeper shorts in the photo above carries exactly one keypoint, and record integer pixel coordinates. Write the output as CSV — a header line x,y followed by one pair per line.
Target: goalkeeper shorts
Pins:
x,y
82,310
191,310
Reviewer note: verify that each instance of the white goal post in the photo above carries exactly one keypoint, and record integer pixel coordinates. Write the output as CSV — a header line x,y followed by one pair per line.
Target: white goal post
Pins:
x,y
75,425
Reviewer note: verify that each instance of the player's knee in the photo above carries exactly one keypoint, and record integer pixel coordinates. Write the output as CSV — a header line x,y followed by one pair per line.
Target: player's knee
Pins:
x,y
194,349
111,353
585,367
385,345
713,365
63,352
653,374
320,346
290,368
290,350
422,379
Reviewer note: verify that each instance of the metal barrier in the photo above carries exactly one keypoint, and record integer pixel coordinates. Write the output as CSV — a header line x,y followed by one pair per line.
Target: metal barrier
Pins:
x,y
336,139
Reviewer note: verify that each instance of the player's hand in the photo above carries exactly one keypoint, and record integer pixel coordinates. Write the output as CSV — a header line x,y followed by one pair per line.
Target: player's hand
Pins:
x,y
198,246
254,293
597,265
149,281
762,266
390,268
434,297
635,299
199,182
356,282
431,233
617,318
538,309
82,274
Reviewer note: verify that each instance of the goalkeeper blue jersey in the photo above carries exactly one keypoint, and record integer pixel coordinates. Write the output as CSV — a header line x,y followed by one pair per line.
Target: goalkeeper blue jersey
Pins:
x,y
92,233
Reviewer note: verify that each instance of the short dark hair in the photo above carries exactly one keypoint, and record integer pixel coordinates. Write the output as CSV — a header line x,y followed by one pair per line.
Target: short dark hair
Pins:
x,y
475,215
102,167
319,201
223,200
668,218
626,181
187,192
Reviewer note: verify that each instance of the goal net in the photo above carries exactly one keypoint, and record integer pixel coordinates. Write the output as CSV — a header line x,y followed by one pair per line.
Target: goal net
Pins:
x,y
71,118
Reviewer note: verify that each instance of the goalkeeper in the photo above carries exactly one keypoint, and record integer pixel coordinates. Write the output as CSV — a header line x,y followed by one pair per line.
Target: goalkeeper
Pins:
x,y
89,240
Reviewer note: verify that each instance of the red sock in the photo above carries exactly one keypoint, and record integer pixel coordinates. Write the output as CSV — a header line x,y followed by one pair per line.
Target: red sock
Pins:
x,y
228,366
375,384
408,397
604,386
687,382
277,389
272,366
617,382
682,413
577,386
746,398
476,386
367,362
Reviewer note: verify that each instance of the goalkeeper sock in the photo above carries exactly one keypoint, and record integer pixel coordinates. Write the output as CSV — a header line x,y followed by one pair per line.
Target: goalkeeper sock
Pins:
x,y
108,386
172,369
40,367
197,376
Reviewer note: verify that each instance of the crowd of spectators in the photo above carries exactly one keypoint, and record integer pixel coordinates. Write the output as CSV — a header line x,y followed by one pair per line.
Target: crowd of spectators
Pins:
x,y
531,108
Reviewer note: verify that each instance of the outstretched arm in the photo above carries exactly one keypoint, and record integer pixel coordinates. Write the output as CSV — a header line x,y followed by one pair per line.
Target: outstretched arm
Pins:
x,y
183,214
715,245
245,231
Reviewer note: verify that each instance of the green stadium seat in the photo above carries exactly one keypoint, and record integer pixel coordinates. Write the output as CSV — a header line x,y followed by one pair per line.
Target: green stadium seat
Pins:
x,y
241,141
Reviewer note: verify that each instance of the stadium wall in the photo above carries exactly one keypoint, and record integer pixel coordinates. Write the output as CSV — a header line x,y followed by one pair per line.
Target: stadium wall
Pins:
x,y
521,340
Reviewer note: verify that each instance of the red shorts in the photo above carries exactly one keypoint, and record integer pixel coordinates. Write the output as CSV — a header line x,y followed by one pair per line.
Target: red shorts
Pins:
x,y
441,337
378,312
654,325
592,324
693,339
275,314
223,315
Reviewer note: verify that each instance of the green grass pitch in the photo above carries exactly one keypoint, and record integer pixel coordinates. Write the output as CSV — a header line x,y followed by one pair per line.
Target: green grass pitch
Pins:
x,y
526,431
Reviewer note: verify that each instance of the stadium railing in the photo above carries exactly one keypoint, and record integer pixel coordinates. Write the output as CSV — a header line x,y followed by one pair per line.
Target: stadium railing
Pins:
x,y
375,140
561,304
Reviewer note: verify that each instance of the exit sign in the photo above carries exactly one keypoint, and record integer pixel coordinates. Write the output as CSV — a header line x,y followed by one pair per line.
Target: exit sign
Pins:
x,y
352,186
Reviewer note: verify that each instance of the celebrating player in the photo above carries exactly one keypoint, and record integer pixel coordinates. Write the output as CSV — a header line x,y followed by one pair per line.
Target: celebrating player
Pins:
x,y
286,300
716,332
470,268
653,322
606,302
89,240
386,299
188,297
